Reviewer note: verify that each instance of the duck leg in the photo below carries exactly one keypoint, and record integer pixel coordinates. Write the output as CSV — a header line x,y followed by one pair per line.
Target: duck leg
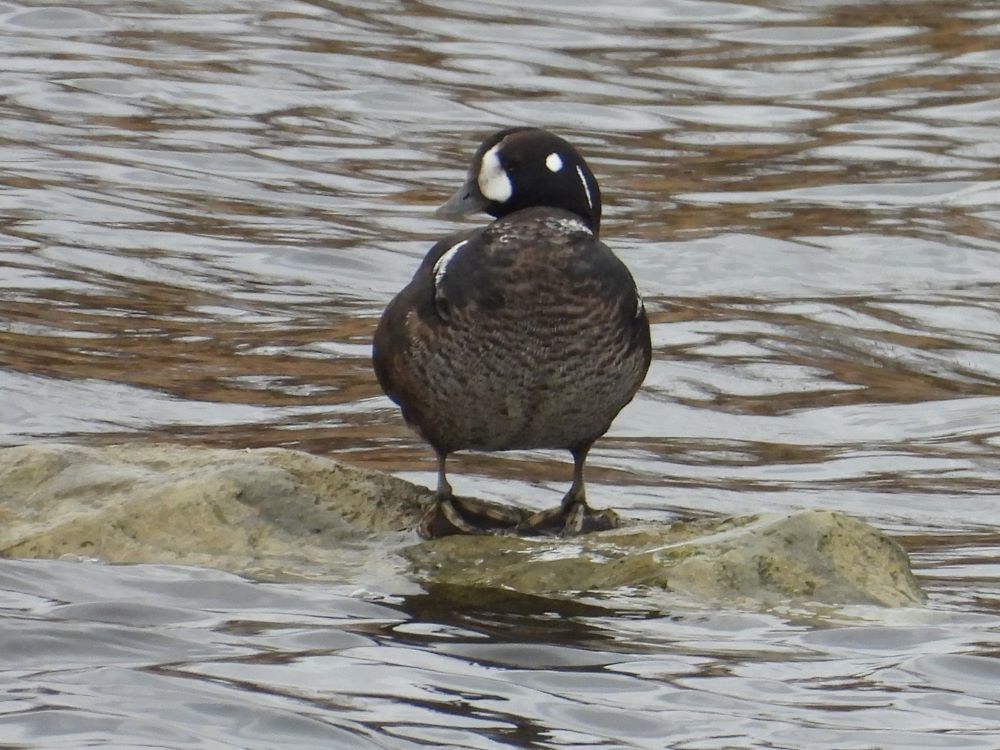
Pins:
x,y
464,515
572,515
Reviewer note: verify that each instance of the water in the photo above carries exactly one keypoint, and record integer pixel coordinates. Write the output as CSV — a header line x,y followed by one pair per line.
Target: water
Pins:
x,y
206,205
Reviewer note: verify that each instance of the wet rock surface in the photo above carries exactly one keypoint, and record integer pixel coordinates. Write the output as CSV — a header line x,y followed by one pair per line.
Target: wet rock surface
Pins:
x,y
275,513
267,512
808,556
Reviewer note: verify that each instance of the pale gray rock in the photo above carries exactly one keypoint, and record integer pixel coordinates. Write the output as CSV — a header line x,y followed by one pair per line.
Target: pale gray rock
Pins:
x,y
275,514
270,513
812,556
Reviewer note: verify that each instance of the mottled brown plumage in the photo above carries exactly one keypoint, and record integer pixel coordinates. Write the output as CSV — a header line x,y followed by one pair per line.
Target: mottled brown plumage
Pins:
x,y
528,333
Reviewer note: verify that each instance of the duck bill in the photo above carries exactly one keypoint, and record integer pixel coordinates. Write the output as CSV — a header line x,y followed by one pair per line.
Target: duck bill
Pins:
x,y
468,200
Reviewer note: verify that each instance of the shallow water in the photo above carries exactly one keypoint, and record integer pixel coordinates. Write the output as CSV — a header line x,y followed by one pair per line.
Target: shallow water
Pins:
x,y
206,205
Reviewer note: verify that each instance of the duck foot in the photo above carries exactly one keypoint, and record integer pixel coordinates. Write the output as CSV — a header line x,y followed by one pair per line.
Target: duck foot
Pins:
x,y
468,515
569,520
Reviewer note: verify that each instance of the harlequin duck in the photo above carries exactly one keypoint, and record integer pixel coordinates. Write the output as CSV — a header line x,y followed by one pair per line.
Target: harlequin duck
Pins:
x,y
526,333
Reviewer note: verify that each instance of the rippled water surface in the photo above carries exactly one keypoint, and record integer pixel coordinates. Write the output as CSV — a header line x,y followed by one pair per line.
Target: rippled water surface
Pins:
x,y
205,205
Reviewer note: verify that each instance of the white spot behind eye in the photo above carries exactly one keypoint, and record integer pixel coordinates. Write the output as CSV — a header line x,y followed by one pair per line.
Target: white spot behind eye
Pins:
x,y
442,263
553,162
586,187
493,181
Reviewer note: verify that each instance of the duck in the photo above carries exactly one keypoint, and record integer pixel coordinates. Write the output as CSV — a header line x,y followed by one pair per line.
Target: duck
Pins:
x,y
525,333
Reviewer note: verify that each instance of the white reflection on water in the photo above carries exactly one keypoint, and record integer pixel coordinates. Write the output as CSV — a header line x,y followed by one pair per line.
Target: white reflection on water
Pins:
x,y
159,656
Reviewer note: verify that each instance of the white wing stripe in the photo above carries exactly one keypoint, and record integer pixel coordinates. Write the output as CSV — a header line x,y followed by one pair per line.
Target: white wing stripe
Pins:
x,y
441,267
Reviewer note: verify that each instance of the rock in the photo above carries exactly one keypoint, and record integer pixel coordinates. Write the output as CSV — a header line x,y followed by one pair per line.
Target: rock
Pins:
x,y
268,512
275,513
813,556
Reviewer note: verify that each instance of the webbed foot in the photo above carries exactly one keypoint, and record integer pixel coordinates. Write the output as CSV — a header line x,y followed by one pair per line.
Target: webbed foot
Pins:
x,y
467,515
569,519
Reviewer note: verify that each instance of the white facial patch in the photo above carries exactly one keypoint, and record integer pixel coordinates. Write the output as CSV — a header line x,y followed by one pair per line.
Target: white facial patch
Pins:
x,y
586,187
553,162
493,181
441,267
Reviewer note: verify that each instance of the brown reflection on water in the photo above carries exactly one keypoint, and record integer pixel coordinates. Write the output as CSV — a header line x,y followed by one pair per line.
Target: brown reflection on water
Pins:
x,y
808,343
219,217
152,340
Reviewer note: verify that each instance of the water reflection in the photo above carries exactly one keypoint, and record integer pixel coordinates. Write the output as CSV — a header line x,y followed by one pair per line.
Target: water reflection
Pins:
x,y
181,656
206,209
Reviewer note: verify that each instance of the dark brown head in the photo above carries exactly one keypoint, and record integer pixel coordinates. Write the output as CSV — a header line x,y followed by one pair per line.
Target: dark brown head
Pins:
x,y
525,167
